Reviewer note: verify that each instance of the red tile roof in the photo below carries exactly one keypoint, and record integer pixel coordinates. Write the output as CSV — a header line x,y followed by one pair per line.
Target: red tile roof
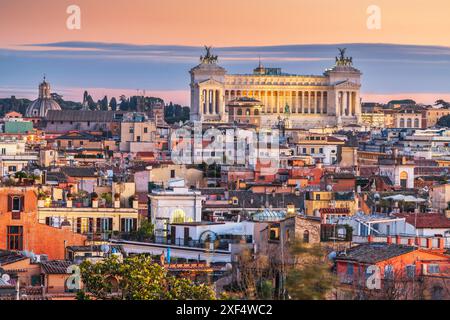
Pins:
x,y
426,220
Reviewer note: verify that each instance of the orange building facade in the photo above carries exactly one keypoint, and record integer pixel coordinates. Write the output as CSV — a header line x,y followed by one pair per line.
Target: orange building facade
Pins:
x,y
21,231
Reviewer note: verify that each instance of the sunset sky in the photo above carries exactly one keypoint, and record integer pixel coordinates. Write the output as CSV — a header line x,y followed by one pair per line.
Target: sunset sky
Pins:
x,y
151,44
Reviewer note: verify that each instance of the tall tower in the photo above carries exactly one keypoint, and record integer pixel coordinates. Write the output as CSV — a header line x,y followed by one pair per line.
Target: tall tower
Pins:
x,y
44,89
208,90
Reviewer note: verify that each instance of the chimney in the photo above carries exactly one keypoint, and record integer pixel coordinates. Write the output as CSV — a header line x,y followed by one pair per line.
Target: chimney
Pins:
x,y
389,240
418,241
69,203
410,242
94,203
117,204
135,204
398,239
370,239
429,243
441,243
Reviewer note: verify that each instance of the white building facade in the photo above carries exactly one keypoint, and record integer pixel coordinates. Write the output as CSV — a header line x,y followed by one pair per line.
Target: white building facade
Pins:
x,y
302,101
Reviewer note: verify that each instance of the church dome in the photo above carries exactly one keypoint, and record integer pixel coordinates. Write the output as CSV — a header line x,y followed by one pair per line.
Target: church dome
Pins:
x,y
40,107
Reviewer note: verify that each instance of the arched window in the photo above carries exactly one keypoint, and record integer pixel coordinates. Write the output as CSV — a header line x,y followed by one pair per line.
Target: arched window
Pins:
x,y
247,112
256,112
178,216
409,123
239,112
403,179
416,123
402,123
306,236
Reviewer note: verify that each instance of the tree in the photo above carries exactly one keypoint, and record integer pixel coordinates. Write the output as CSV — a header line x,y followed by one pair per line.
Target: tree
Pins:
x,y
145,231
103,103
444,121
124,105
113,104
442,102
138,278
310,277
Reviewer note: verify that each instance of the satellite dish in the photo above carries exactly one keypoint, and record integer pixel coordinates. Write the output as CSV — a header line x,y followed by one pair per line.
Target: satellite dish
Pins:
x,y
104,248
332,255
329,187
37,172
228,267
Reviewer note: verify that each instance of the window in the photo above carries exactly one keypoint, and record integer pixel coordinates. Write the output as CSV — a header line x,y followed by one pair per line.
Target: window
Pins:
x,y
304,150
104,224
350,269
81,143
3,151
306,236
320,150
15,203
131,130
15,238
145,130
172,174
389,272
138,138
274,233
12,168
128,224
433,268
410,271
317,196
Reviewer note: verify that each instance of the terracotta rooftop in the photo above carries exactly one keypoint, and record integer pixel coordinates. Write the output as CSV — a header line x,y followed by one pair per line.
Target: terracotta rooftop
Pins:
x,y
426,220
374,252
7,257
56,266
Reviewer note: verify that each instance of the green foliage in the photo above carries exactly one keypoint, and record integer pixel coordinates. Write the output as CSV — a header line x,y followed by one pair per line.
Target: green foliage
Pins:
x,y
138,278
442,102
174,113
81,295
311,278
444,121
145,231
107,196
